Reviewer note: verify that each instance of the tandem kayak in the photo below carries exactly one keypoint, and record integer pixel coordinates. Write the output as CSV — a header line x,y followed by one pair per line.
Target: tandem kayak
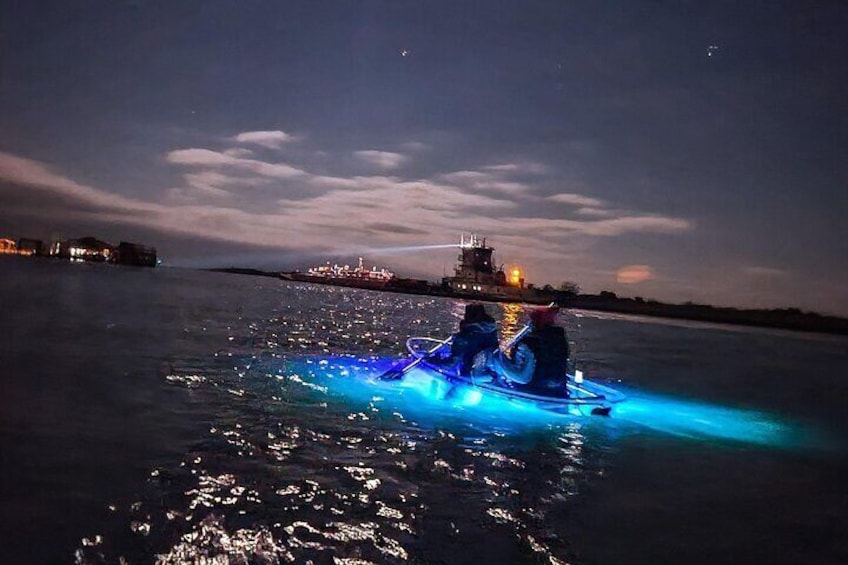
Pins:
x,y
582,396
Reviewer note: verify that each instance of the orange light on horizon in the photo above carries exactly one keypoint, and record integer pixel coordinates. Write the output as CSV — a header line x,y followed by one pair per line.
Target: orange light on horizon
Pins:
x,y
515,276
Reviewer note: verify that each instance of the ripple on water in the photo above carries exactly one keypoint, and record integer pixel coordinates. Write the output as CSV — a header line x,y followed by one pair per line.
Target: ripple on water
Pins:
x,y
290,471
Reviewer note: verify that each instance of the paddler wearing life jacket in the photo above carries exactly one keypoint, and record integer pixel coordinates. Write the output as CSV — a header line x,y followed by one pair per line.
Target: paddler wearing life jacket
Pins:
x,y
539,361
477,333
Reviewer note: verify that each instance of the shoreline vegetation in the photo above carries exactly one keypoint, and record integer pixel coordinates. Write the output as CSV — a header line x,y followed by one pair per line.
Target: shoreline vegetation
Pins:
x,y
779,318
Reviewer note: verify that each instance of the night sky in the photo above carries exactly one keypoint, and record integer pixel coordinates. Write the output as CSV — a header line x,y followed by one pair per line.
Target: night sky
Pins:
x,y
680,151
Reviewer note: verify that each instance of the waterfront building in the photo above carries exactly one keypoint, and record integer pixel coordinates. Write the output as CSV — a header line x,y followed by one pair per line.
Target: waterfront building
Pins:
x,y
8,246
86,249
27,246
128,253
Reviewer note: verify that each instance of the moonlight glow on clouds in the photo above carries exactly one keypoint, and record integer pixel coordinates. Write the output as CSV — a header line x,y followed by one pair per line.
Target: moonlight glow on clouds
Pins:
x,y
271,139
386,209
634,274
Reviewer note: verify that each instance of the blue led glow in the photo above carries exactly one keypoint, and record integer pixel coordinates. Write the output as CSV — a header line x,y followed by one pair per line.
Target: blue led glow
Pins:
x,y
420,394
424,395
701,420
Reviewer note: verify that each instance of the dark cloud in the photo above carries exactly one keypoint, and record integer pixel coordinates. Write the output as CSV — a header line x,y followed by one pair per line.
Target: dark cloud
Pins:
x,y
394,228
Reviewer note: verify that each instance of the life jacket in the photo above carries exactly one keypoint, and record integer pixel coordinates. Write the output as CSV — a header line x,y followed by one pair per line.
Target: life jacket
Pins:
x,y
549,346
471,339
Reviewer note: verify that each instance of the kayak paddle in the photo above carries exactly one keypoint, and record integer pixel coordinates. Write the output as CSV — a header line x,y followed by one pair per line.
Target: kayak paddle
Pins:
x,y
397,372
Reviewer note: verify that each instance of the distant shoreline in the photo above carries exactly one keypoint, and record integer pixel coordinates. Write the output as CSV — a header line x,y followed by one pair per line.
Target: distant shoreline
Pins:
x,y
779,318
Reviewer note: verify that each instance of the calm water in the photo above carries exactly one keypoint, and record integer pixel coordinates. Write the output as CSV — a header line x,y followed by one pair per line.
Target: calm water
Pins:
x,y
170,415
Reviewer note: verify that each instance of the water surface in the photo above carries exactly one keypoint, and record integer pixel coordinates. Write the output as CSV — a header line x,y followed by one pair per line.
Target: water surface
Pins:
x,y
165,415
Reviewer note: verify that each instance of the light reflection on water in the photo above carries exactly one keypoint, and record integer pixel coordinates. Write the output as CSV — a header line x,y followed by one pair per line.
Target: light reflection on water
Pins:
x,y
306,460
701,420
351,494
300,465
511,321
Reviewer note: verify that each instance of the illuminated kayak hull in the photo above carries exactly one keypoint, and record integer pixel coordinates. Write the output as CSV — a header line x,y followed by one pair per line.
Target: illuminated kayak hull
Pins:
x,y
591,396
583,397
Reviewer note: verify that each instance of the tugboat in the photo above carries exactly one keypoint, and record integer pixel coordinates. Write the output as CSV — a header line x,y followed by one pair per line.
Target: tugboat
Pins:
x,y
477,275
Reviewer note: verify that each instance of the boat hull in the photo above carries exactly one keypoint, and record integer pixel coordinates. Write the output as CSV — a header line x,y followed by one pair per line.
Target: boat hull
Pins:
x,y
587,394
582,397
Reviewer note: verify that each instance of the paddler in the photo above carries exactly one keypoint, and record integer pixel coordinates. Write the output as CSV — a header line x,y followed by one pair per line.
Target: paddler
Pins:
x,y
539,361
477,333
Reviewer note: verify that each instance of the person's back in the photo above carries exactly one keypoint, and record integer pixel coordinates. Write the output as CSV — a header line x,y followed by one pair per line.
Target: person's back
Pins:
x,y
549,346
540,359
477,332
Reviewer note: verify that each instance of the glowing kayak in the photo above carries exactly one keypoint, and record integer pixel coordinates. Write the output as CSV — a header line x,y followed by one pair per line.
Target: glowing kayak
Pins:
x,y
583,396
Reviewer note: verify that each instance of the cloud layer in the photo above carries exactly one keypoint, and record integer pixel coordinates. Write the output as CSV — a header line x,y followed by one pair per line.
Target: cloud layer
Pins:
x,y
382,159
270,139
231,194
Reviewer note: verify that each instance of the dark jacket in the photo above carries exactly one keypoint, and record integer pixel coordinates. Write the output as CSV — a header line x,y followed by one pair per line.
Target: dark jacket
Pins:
x,y
471,339
549,346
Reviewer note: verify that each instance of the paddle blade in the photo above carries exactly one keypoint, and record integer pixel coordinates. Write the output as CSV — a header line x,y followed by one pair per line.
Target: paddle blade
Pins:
x,y
393,374
398,371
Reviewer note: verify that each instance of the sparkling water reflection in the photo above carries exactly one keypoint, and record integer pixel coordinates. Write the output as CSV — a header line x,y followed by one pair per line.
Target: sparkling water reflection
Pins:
x,y
270,448
296,468
312,460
